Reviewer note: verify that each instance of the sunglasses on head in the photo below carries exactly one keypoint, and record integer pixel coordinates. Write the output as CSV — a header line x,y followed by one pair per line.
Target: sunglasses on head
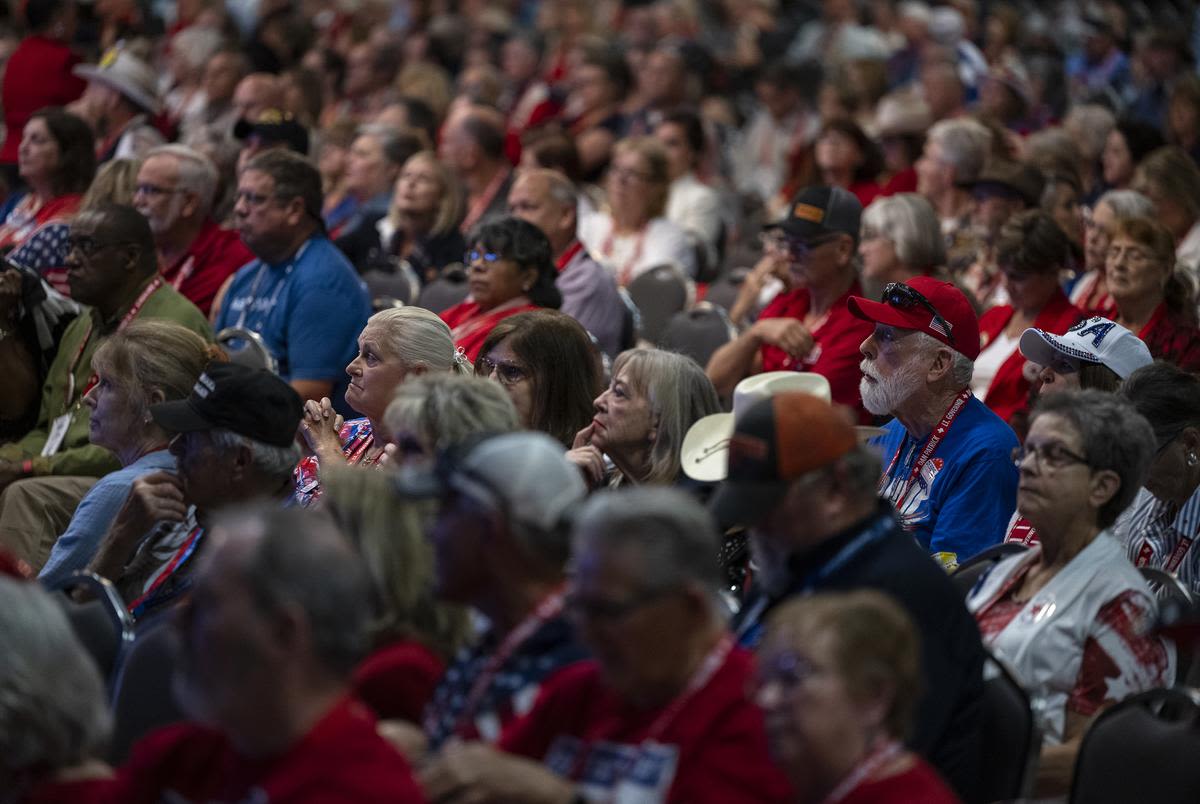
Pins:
x,y
903,297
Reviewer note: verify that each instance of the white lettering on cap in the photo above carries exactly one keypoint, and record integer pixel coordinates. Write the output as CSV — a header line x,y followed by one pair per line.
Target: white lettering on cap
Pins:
x,y
204,386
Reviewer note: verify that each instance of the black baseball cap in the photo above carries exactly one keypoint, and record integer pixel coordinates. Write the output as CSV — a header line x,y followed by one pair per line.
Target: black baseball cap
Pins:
x,y
274,126
251,402
818,211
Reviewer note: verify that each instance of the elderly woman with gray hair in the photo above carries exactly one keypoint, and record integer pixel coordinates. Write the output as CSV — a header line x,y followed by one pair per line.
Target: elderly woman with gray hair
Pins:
x,y
396,344
1069,615
901,238
1090,291
54,718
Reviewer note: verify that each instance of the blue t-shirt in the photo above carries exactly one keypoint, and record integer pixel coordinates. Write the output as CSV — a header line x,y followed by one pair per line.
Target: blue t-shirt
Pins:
x,y
77,546
308,309
961,502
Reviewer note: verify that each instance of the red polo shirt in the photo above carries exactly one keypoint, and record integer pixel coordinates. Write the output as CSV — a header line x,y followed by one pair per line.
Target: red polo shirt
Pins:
x,y
214,256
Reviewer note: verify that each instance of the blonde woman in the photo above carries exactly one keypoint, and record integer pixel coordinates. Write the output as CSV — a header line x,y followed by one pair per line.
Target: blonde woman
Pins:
x,y
413,635
396,344
641,419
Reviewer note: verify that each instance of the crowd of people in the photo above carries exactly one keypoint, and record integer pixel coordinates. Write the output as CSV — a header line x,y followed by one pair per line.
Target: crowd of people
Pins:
x,y
328,356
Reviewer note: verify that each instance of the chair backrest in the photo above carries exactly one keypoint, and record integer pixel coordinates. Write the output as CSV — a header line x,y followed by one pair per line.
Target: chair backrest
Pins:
x,y
395,283
102,623
698,332
973,568
631,321
247,347
142,698
659,294
724,290
1173,596
1142,749
449,289
1011,741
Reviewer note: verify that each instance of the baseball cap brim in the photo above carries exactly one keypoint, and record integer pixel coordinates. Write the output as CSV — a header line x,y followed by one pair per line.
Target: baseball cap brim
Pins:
x,y
1041,347
743,503
179,416
882,313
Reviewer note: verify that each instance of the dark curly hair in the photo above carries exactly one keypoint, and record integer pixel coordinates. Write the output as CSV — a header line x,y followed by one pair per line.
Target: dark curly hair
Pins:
x,y
526,245
1032,243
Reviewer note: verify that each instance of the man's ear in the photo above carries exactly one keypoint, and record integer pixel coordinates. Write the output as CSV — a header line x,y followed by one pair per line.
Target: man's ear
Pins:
x,y
296,211
943,362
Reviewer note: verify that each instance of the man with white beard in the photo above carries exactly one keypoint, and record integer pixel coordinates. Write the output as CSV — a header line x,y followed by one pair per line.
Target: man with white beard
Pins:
x,y
948,459
799,479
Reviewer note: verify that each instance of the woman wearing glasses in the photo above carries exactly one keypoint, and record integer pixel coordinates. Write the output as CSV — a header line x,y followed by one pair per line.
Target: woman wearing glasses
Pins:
x,y
634,236
1031,251
1152,299
396,344
546,362
1069,614
510,270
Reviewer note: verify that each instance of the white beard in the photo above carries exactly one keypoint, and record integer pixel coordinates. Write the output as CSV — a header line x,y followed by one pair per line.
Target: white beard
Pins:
x,y
883,396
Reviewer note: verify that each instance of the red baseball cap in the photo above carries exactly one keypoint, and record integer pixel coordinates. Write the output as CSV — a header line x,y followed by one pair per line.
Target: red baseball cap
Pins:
x,y
939,309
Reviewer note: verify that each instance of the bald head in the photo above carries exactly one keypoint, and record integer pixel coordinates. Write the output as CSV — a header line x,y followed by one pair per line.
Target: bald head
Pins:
x,y
256,93
547,199
473,139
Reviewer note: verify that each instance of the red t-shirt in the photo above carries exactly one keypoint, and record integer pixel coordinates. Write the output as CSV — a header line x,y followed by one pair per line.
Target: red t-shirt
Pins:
x,y
214,256
38,74
341,760
835,354
84,791
714,750
920,783
397,680
1171,339
470,327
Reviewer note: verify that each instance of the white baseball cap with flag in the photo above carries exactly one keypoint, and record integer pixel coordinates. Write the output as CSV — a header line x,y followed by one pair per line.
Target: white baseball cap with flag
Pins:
x,y
1093,340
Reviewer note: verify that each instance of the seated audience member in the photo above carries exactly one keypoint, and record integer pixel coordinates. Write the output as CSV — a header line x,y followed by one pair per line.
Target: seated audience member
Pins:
x,y
115,183
953,489
1171,180
1061,201
692,205
1153,299
472,147
45,474
808,328
663,713
641,419
397,343
271,130
548,200
421,224
146,363
1095,353
120,102
510,270
1031,252
1090,291
372,166
633,236
1003,190
500,546
435,412
839,677
900,238
1164,519
599,85
807,489
257,93
412,636
1070,615
277,622
1129,142
955,151
300,294
901,120
57,163
846,158
176,190
236,443
54,709
546,363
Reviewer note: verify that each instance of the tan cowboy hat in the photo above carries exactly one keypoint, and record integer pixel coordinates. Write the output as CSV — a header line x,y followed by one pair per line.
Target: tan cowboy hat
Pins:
x,y
705,453
127,74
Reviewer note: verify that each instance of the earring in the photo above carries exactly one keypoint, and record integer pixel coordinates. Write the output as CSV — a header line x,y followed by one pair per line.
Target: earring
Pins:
x,y
1191,459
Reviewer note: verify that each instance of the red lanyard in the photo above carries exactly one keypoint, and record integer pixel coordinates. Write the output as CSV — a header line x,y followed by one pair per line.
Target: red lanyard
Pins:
x,y
1022,532
1146,552
146,293
548,609
935,440
880,756
189,266
625,273
184,552
704,673
568,255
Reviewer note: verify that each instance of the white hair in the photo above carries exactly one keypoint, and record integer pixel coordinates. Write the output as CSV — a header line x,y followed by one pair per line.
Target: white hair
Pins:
x,y
197,173
909,221
270,460
418,338
965,144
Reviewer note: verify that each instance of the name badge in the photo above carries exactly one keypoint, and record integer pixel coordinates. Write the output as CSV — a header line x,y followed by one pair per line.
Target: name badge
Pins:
x,y
58,433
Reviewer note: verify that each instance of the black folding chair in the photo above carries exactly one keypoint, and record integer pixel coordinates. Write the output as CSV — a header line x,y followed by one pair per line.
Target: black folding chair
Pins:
x,y
446,291
142,697
102,623
247,347
698,332
1011,740
971,570
659,294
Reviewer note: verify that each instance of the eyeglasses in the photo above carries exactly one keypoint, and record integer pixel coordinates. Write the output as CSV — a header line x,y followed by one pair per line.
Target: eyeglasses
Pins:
x,y
623,174
581,607
475,255
795,248
89,247
903,297
1137,258
154,191
251,199
507,373
1061,364
1052,455
786,670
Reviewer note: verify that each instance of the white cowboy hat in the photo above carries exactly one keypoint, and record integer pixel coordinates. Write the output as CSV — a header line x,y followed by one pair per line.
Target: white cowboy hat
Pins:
x,y
128,75
705,452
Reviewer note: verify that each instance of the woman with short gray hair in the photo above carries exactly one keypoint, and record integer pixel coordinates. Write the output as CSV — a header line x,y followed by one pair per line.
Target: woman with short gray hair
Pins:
x,y
1090,291
54,718
1070,614
901,238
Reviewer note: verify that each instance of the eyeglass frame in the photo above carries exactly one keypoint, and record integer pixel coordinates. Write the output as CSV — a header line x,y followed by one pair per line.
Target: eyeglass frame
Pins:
x,y
89,252
612,611
1039,453
503,370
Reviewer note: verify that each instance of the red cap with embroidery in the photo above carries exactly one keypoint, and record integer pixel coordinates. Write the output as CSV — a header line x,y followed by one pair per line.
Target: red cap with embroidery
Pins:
x,y
928,305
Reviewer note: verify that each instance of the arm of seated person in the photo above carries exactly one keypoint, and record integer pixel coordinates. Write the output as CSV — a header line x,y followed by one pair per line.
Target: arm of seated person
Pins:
x,y
742,357
155,497
477,772
1057,764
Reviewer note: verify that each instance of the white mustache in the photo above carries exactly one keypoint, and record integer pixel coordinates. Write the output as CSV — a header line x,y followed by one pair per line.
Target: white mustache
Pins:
x,y
868,370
